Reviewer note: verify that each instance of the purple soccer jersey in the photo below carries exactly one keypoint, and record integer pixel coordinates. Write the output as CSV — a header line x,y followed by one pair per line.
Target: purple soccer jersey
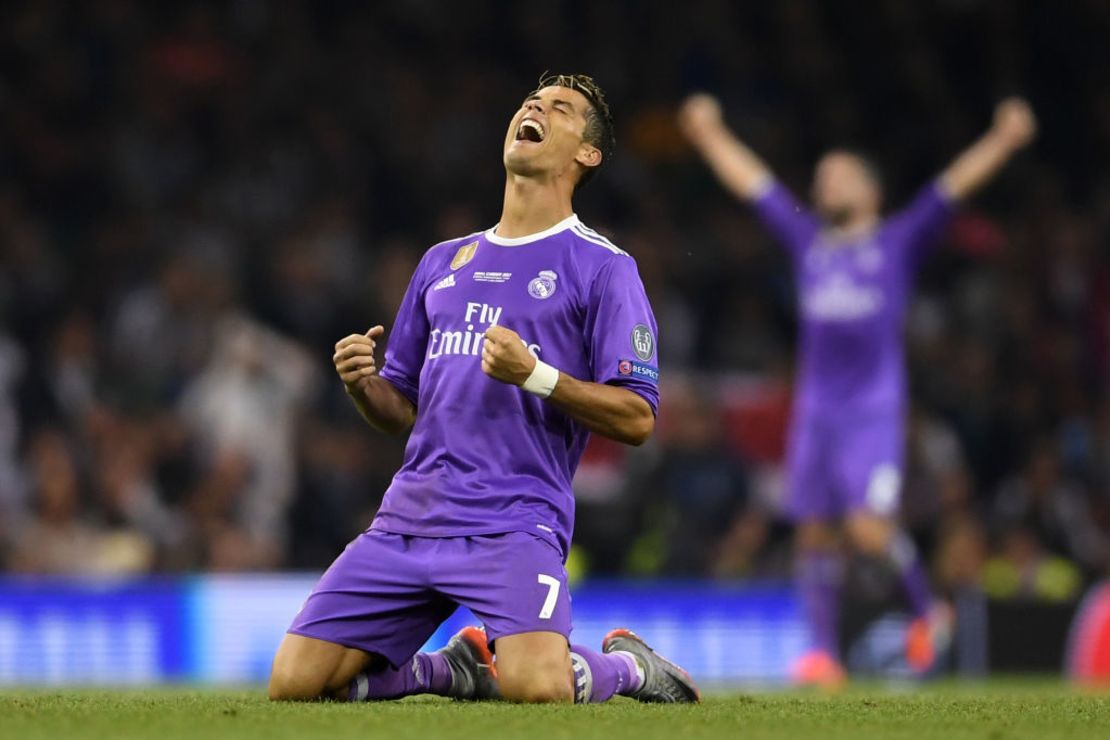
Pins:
x,y
485,457
852,299
845,448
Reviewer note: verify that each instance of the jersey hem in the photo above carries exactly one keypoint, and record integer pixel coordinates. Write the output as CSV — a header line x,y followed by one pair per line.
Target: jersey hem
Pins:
x,y
535,531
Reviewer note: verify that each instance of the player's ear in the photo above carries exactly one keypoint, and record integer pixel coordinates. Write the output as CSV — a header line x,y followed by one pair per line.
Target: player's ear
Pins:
x,y
588,155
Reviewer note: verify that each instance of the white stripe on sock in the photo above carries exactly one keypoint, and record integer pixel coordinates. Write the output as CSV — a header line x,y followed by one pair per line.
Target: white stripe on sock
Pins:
x,y
362,687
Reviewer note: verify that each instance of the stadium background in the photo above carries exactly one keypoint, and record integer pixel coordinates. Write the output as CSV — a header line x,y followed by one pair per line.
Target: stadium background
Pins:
x,y
198,199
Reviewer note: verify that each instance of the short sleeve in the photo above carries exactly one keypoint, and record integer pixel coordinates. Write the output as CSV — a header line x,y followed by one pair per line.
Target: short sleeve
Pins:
x,y
408,338
920,224
621,331
787,219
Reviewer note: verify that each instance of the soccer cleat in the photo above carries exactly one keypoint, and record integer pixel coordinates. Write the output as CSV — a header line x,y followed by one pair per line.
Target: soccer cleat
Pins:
x,y
664,682
928,637
473,673
818,668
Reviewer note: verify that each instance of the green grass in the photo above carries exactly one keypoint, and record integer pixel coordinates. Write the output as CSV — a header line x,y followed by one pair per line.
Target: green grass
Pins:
x,y
996,711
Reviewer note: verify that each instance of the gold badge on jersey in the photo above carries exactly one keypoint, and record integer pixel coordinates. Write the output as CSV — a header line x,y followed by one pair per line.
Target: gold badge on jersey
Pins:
x,y
464,255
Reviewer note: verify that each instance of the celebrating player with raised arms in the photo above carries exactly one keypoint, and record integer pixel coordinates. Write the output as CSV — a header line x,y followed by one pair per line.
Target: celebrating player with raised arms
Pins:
x,y
509,348
854,271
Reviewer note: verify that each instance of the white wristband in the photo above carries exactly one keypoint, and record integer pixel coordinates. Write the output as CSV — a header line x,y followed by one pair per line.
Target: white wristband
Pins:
x,y
543,379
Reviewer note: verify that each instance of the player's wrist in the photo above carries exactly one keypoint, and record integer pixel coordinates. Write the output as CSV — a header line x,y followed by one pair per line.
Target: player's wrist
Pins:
x,y
357,388
542,380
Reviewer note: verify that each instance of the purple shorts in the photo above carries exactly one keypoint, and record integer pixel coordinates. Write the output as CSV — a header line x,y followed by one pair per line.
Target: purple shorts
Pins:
x,y
387,593
844,465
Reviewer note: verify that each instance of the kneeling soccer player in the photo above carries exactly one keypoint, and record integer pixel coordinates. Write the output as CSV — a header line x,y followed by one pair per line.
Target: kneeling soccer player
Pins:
x,y
509,348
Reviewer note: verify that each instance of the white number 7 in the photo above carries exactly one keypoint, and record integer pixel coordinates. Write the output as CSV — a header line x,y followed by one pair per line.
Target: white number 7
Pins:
x,y
552,594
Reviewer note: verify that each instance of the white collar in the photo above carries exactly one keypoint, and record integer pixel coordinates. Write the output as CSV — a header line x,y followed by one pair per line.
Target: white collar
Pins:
x,y
516,241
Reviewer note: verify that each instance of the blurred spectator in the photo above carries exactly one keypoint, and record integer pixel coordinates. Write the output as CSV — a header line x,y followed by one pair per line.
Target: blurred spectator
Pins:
x,y
1039,510
243,409
701,484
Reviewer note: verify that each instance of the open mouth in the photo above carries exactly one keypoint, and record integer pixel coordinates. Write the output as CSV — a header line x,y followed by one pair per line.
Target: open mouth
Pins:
x,y
530,130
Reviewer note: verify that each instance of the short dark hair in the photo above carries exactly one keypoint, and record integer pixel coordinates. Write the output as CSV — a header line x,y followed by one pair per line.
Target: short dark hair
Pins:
x,y
599,121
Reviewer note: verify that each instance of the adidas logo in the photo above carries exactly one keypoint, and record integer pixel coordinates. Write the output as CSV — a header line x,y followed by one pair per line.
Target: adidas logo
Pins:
x,y
447,282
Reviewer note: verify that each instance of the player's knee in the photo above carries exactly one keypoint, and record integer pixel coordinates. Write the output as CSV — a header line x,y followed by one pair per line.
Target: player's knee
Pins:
x,y
815,537
870,535
541,683
288,684
297,680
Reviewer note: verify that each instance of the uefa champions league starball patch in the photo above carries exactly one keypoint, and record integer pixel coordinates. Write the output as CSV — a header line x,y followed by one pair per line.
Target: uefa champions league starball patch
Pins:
x,y
542,287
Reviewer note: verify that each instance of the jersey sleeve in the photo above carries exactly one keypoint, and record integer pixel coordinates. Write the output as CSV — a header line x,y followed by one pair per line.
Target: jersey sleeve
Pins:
x,y
922,221
787,219
408,338
621,332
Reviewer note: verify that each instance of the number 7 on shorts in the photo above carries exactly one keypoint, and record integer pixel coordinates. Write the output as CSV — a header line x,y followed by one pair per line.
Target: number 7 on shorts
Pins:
x,y
552,584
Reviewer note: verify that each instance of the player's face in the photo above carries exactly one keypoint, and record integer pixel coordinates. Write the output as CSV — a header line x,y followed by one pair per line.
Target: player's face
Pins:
x,y
545,135
843,189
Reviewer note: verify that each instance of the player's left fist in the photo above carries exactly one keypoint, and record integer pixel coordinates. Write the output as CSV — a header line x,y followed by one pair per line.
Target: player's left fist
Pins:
x,y
1015,122
505,356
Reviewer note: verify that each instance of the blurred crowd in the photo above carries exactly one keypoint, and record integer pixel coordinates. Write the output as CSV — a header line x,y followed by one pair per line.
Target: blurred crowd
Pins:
x,y
198,199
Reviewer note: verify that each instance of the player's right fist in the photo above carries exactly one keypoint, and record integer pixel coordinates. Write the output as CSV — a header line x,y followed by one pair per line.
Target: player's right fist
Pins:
x,y
354,358
698,115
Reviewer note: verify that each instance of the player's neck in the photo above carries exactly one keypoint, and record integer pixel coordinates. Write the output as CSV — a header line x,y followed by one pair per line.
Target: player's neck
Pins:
x,y
531,206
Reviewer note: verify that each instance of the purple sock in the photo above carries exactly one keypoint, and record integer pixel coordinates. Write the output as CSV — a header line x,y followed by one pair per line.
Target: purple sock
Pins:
x,y
428,673
818,576
903,554
598,676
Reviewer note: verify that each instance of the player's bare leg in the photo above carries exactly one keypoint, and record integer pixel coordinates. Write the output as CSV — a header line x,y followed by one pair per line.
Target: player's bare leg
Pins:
x,y
307,669
534,667
931,630
818,574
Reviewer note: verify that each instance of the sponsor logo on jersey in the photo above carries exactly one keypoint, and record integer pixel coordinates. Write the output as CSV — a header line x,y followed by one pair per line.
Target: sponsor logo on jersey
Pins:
x,y
447,282
840,298
542,286
464,255
643,342
638,370
482,276
465,338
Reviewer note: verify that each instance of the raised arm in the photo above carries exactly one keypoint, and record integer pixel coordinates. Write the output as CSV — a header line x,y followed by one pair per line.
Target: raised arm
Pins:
x,y
382,406
737,167
1013,128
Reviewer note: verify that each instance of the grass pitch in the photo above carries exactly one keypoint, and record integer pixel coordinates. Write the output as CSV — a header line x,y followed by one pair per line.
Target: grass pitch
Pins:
x,y
996,711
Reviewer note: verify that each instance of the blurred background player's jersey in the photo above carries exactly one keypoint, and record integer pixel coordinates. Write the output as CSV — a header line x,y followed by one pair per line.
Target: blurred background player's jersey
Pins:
x,y
485,457
852,298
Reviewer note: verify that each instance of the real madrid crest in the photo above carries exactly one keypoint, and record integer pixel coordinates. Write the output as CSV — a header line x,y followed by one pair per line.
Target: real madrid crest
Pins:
x,y
543,285
464,255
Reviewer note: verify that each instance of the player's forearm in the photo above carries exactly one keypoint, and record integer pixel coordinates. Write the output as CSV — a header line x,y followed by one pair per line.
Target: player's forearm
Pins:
x,y
616,413
976,165
737,167
383,406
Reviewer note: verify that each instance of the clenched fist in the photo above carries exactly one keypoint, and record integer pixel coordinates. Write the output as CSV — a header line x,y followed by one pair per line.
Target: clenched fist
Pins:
x,y
1015,122
699,114
505,356
354,358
